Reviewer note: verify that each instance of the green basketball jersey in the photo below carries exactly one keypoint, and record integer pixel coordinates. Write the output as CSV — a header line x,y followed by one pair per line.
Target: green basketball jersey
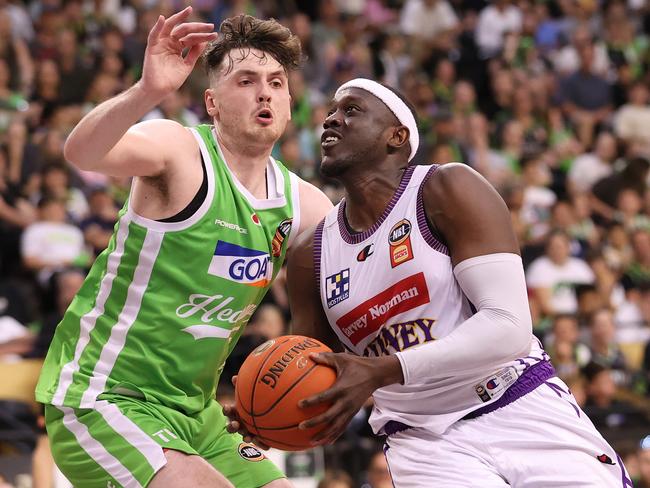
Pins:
x,y
165,303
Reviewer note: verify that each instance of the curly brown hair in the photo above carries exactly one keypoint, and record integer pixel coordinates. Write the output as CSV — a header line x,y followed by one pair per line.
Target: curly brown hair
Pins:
x,y
245,32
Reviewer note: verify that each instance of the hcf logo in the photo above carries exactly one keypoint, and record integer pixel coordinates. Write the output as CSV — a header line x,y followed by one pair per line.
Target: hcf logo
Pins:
x,y
241,265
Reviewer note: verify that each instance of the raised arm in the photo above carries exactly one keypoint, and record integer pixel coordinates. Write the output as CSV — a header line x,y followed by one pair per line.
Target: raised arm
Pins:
x,y
106,140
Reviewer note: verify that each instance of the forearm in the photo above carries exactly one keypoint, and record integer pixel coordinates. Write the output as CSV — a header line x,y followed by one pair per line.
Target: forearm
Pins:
x,y
102,128
499,332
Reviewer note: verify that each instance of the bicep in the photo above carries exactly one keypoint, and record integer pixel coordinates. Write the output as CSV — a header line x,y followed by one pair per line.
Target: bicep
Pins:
x,y
146,149
469,213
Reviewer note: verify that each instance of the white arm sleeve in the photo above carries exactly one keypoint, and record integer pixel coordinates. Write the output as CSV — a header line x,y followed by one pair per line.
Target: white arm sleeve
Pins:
x,y
500,331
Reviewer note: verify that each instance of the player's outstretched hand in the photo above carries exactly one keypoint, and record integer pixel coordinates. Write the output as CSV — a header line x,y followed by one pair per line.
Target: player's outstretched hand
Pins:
x,y
165,68
235,425
357,378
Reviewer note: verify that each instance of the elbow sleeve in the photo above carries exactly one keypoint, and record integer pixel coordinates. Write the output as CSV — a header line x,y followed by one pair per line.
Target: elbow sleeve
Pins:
x,y
500,330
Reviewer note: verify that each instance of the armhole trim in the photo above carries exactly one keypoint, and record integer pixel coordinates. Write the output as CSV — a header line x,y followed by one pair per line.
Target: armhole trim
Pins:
x,y
317,251
295,204
428,233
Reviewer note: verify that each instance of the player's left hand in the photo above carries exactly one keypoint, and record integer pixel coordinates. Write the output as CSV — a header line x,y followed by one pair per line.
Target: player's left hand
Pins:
x,y
357,378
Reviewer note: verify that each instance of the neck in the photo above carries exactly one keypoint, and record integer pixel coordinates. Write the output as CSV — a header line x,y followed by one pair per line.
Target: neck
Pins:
x,y
367,195
247,162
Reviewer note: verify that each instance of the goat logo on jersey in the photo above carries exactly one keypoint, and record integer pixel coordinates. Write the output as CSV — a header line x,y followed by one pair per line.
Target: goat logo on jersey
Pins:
x,y
399,239
337,287
369,316
281,234
241,265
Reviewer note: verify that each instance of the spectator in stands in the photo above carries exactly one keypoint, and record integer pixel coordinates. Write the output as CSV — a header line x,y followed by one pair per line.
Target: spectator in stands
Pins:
x,y
335,479
553,276
55,184
568,354
377,474
51,243
643,455
586,97
496,20
427,20
98,226
588,168
637,273
605,191
602,407
603,345
632,120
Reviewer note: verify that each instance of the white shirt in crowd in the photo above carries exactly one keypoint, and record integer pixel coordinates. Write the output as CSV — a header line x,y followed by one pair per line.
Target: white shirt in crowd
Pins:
x,y
586,170
544,273
493,24
419,20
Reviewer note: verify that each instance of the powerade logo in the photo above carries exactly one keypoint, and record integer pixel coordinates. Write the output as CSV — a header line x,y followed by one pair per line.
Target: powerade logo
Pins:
x,y
241,265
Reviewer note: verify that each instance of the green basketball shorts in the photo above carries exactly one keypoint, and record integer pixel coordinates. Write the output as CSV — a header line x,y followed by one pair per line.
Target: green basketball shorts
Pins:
x,y
120,443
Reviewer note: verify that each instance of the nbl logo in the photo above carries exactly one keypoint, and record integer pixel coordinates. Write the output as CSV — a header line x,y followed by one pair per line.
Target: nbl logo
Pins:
x,y
241,265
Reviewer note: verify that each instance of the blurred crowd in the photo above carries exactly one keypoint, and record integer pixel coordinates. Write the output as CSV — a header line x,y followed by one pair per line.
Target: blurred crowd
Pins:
x,y
548,99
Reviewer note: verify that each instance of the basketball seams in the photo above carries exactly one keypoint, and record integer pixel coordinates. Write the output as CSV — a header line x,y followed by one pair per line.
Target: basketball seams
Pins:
x,y
307,373
284,399
277,400
259,371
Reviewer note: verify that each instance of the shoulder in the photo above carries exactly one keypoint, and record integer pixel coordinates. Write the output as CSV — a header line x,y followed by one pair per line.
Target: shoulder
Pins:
x,y
455,181
167,133
314,205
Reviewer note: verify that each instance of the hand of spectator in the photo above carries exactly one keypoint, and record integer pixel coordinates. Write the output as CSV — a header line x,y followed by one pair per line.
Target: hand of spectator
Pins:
x,y
235,425
165,69
357,379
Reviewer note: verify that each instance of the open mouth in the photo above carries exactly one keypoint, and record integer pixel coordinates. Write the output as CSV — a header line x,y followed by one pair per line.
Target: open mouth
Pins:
x,y
330,139
265,116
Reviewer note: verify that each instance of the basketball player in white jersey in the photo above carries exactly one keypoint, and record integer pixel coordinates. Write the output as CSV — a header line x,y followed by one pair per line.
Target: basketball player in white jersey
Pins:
x,y
417,274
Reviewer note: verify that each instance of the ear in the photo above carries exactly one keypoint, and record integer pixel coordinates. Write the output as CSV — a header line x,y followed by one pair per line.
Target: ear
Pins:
x,y
210,103
398,138
290,101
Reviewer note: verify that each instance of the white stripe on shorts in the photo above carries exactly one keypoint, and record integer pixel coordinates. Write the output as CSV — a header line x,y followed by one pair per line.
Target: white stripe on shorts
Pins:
x,y
96,451
133,434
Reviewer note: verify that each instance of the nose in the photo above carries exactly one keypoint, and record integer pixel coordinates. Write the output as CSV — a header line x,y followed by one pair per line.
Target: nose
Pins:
x,y
332,120
264,94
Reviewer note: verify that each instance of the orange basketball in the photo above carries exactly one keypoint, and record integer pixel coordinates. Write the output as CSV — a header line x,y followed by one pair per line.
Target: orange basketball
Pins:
x,y
271,382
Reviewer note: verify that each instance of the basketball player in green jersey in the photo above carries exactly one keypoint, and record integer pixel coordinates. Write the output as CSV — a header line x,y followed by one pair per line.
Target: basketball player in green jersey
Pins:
x,y
130,378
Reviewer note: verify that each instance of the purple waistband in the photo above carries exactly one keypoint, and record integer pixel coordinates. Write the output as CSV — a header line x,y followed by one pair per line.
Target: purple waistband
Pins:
x,y
527,382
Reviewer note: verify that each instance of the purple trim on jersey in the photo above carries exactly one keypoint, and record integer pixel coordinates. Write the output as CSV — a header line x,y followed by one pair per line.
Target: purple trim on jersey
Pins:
x,y
627,482
362,236
425,230
318,244
527,382
393,427
559,391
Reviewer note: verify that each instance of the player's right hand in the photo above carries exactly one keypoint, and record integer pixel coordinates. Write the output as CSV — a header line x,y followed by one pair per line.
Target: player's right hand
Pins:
x,y
235,425
165,69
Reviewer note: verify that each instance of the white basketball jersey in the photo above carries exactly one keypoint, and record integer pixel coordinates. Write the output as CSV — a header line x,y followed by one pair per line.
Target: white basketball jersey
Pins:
x,y
391,288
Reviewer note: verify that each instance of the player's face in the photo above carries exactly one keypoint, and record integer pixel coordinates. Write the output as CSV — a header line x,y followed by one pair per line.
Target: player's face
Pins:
x,y
355,132
251,102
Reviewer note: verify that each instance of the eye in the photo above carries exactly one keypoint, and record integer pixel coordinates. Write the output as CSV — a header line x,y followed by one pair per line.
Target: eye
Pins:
x,y
245,82
330,112
351,108
276,83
